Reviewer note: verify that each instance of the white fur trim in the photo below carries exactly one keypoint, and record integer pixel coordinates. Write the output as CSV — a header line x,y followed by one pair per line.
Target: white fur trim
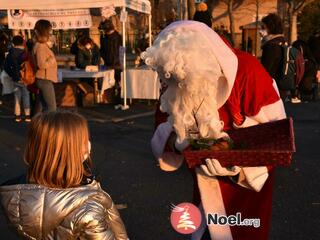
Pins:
x,y
168,161
255,177
197,235
269,113
160,138
248,122
212,202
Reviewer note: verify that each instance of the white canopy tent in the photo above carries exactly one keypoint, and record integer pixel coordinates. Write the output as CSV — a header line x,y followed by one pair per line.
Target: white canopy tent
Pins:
x,y
142,6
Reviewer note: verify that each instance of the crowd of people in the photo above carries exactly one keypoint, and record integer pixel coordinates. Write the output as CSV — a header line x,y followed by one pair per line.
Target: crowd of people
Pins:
x,y
29,67
229,89
274,60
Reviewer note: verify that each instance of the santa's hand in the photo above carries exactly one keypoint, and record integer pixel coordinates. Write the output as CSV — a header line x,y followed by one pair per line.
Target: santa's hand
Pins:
x,y
214,168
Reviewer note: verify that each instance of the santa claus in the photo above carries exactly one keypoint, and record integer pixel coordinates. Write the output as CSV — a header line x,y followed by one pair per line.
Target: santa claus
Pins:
x,y
209,89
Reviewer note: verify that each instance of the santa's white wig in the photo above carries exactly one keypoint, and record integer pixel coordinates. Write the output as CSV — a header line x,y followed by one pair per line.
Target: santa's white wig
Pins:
x,y
199,70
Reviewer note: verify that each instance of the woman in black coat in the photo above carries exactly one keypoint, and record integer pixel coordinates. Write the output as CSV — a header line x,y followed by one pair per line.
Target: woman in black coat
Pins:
x,y
88,53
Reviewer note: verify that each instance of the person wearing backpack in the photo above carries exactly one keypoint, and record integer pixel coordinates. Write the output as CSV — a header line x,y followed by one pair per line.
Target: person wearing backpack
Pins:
x,y
307,84
282,61
13,66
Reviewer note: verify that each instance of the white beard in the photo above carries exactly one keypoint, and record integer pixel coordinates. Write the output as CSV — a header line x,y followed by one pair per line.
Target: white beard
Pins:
x,y
193,108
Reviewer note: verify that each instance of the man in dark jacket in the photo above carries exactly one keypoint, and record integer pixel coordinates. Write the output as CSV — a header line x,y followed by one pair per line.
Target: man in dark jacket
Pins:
x,y
12,64
110,43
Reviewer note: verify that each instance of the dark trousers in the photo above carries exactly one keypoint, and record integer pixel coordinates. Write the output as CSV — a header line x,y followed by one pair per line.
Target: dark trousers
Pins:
x,y
47,95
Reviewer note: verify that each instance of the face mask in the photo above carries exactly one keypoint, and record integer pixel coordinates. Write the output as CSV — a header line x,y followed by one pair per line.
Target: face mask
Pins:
x,y
50,44
51,41
88,153
263,32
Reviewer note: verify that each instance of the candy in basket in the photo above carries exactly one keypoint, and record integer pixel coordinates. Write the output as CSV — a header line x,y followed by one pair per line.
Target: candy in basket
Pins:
x,y
267,144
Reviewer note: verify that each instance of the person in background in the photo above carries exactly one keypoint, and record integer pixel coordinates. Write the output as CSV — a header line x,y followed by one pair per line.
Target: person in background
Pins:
x,y
314,44
110,43
74,47
143,44
307,84
4,41
12,66
202,14
46,64
59,197
272,39
87,54
33,89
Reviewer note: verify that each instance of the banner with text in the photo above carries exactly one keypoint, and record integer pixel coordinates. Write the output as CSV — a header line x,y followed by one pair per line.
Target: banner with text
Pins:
x,y
60,19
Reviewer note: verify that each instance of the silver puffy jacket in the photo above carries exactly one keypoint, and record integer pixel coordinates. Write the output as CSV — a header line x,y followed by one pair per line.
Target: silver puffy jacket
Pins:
x,y
85,212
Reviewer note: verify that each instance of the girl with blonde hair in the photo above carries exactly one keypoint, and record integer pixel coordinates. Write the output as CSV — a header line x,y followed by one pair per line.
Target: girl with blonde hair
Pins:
x,y
60,198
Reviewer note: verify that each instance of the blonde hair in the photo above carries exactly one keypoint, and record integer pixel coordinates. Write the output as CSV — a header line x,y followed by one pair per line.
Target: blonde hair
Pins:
x,y
56,145
42,30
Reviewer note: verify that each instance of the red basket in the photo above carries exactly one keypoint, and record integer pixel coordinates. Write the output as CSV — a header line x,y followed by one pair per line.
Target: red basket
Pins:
x,y
267,144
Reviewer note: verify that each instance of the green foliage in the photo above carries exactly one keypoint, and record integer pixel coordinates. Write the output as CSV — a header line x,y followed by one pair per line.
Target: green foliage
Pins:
x,y
309,20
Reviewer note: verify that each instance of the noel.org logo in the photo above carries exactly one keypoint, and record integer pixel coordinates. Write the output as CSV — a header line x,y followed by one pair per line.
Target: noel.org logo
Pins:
x,y
185,218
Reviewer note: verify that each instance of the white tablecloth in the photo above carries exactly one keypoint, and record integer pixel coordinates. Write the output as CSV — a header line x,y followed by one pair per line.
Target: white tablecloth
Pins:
x,y
142,84
107,75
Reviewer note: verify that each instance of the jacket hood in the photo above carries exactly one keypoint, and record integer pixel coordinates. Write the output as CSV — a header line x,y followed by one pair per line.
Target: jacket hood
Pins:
x,y
36,210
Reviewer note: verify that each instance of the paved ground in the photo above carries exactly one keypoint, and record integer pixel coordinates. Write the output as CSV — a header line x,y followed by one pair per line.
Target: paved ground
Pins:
x,y
128,172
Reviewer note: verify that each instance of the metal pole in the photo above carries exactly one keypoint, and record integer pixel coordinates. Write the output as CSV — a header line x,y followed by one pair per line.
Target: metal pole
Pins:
x,y
125,106
150,30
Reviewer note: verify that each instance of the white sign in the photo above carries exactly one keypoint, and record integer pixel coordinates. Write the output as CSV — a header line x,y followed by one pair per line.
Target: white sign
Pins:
x,y
123,16
60,19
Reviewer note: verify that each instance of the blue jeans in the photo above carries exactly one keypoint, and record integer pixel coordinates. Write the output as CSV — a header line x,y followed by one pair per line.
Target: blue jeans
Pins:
x,y
47,95
21,94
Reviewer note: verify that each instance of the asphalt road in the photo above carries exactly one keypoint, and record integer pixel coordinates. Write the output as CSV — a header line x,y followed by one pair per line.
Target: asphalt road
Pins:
x,y
127,170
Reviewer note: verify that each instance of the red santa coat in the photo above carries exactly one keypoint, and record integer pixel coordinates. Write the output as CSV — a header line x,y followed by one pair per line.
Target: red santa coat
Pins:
x,y
254,99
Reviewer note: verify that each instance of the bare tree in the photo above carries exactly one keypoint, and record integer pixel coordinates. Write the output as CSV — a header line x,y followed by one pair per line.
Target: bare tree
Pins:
x,y
184,9
231,6
258,4
293,9
191,8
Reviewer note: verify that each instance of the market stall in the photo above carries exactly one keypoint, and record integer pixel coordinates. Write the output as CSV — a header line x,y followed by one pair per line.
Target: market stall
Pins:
x,y
142,6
